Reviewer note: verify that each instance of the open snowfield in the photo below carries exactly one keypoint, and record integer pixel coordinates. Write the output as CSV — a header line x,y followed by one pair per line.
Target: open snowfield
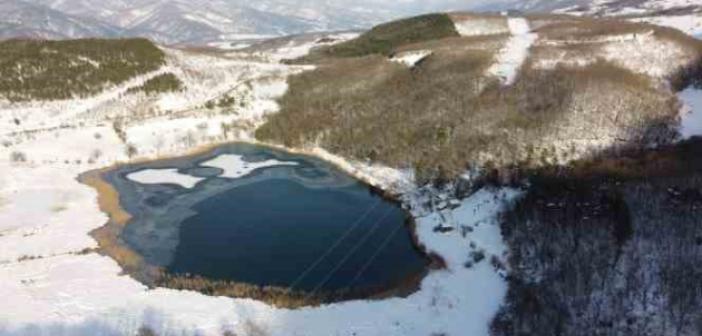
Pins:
x,y
54,283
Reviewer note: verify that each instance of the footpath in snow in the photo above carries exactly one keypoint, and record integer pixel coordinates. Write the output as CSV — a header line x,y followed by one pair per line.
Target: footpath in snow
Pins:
x,y
515,52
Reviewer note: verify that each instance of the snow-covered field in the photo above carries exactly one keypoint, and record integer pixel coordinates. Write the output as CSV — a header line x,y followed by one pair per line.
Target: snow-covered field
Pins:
x,y
53,283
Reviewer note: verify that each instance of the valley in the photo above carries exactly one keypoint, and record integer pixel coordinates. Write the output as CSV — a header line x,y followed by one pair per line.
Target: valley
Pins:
x,y
538,173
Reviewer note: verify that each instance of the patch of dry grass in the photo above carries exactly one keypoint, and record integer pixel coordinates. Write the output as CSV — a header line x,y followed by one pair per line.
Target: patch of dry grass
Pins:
x,y
370,108
445,115
583,29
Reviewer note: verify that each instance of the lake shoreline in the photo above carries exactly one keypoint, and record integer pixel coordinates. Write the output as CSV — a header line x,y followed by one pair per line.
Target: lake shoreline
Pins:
x,y
132,263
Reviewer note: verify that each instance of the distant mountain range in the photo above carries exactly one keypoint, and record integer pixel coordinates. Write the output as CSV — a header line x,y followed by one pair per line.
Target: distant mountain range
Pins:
x,y
201,21
601,7
179,21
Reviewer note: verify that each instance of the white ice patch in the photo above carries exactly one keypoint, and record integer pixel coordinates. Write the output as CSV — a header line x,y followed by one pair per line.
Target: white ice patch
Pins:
x,y
411,58
235,167
515,52
691,121
164,176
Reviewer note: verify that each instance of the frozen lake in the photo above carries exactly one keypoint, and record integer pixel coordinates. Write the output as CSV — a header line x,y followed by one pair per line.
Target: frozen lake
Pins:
x,y
253,215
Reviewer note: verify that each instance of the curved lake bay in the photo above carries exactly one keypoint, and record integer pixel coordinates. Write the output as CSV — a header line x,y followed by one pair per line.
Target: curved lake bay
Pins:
x,y
252,215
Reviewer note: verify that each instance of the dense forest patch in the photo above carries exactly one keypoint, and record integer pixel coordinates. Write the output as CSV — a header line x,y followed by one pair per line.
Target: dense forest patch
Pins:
x,y
167,82
608,247
383,39
50,70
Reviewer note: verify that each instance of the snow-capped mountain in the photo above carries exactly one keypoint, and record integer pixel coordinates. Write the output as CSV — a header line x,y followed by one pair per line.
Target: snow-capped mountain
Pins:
x,y
201,21
183,21
605,7
23,19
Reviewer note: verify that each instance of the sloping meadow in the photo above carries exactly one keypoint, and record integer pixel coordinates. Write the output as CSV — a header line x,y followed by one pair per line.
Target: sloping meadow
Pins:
x,y
445,113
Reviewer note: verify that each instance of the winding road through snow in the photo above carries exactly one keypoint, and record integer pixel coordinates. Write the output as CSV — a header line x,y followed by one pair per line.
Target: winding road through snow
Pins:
x,y
515,52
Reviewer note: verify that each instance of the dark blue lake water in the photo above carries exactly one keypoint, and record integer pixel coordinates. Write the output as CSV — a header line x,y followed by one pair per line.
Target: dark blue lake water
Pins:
x,y
307,225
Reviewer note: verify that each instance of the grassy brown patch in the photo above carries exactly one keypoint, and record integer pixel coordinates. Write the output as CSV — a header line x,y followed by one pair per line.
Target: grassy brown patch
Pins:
x,y
445,115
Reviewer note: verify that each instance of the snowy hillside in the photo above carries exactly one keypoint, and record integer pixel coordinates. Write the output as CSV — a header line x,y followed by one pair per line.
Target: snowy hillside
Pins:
x,y
685,15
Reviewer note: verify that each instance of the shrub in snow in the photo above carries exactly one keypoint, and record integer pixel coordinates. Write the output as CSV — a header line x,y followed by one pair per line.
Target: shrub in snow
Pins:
x,y
131,151
18,157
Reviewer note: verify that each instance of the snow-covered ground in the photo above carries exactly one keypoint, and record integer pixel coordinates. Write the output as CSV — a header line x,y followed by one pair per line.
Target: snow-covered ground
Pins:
x,y
164,176
689,23
234,166
691,113
511,58
645,52
84,294
471,25
52,283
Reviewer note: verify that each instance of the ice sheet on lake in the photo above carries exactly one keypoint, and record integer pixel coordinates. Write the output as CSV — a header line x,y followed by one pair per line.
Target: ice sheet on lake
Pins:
x,y
164,176
235,167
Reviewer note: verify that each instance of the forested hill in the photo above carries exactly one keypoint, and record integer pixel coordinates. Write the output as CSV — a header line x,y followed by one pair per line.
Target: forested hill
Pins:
x,y
441,93
50,70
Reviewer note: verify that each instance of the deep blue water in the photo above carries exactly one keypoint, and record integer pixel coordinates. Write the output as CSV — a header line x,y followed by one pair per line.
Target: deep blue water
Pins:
x,y
309,225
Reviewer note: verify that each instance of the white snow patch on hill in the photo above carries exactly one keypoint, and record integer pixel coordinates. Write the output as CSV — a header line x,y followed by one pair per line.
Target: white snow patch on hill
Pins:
x,y
234,166
476,26
647,54
165,176
690,24
691,113
411,58
515,52
644,53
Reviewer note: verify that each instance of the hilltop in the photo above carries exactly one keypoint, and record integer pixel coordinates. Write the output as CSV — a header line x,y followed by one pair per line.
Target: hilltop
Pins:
x,y
442,93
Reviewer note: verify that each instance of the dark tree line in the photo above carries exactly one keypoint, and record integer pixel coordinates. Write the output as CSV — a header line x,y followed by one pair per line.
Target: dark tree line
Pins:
x,y
50,70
